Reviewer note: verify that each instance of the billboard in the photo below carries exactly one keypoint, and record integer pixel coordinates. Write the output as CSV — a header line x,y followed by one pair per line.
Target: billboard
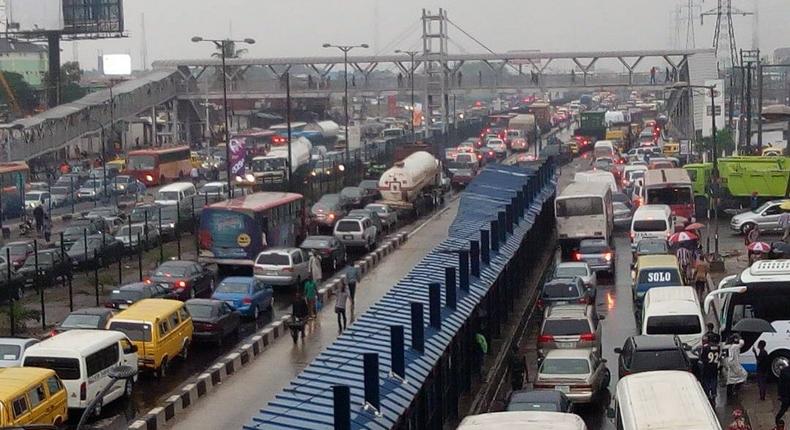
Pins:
x,y
718,106
115,64
34,16
237,157
92,16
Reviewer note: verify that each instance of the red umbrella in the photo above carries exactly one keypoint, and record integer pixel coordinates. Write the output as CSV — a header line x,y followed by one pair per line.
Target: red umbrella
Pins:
x,y
695,226
683,236
759,247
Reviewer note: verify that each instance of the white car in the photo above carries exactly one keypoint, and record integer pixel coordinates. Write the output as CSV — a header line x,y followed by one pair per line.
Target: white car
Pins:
x,y
357,231
34,199
282,266
580,269
580,374
388,215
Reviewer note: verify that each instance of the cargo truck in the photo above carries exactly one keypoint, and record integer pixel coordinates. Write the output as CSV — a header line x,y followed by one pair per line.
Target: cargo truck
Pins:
x,y
592,127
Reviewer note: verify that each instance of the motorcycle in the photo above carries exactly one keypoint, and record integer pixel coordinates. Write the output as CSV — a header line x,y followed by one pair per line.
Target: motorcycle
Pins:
x,y
297,326
25,227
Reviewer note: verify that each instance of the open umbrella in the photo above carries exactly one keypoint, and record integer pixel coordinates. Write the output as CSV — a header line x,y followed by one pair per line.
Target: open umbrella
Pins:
x,y
683,236
759,247
695,226
785,206
753,325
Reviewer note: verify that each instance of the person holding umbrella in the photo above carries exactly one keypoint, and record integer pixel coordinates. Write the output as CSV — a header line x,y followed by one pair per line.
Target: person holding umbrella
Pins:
x,y
757,251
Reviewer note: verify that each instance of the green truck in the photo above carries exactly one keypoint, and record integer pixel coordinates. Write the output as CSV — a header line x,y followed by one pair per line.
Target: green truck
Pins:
x,y
592,124
740,177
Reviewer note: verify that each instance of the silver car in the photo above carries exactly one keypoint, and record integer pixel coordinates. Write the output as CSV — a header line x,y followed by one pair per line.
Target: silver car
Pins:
x,y
766,217
570,327
578,269
148,236
580,374
388,215
12,349
622,215
282,266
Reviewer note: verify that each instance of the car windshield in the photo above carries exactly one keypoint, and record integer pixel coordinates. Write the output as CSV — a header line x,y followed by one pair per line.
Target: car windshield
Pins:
x,y
92,183
44,259
570,271
204,311
81,321
593,247
167,195
99,212
647,247
670,195
170,270
15,249
617,206
316,243
565,366
763,207
329,200
348,226
135,230
658,360
134,331
210,189
673,324
352,192
560,290
58,191
379,209
274,259
233,287
127,295
648,225
141,162
565,327
10,352
138,215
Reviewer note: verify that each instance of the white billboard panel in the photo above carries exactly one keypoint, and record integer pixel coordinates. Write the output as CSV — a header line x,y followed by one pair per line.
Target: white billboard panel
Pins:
x,y
718,102
116,64
34,15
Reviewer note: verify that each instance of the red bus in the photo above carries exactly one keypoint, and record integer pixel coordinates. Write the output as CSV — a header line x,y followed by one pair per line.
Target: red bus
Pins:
x,y
258,142
670,187
158,165
234,232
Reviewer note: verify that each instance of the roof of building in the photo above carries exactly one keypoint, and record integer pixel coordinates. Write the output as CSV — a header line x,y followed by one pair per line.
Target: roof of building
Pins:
x,y
8,46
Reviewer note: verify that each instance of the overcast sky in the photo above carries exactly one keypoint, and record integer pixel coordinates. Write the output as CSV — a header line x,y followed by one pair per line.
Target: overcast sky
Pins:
x,y
299,27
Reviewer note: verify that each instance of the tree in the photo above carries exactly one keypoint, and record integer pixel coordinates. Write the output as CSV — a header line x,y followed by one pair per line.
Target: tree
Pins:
x,y
70,77
724,142
23,92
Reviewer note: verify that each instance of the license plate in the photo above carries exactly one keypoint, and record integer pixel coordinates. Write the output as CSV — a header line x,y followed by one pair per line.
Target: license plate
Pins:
x,y
563,388
348,237
164,285
565,345
123,306
271,272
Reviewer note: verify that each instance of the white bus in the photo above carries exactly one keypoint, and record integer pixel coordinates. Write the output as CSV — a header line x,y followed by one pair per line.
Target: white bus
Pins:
x,y
530,420
583,211
664,399
82,359
761,291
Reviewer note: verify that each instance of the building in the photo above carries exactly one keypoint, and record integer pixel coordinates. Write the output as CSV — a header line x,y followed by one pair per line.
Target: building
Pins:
x,y
25,58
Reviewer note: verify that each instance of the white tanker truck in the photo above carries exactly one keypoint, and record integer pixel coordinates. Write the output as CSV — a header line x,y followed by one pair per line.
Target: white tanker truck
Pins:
x,y
412,184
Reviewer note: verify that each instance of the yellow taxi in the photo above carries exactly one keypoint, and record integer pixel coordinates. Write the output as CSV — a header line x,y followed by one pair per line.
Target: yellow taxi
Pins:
x,y
655,271
161,328
196,159
671,149
30,395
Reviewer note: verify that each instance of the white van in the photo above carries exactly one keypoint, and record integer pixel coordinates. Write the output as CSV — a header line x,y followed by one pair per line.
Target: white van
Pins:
x,y
82,359
175,193
523,420
664,399
604,148
597,176
673,310
651,222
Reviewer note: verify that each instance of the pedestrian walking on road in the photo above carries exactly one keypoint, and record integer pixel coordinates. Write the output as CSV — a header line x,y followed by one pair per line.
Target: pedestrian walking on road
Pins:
x,y
481,349
653,75
38,215
783,388
701,270
299,311
738,421
517,366
753,235
763,367
315,268
736,374
784,223
341,298
310,295
709,355
754,201
47,228
666,75
195,175
352,277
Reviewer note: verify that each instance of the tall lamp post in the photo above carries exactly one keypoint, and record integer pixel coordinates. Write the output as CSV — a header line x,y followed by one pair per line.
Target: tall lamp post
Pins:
x,y
713,189
222,45
345,49
411,55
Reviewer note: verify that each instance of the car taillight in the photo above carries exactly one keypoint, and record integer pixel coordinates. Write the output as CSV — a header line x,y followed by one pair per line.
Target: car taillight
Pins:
x,y
287,269
83,391
108,305
247,300
181,284
608,256
587,336
584,300
632,236
540,304
53,332
576,255
545,338
147,280
258,270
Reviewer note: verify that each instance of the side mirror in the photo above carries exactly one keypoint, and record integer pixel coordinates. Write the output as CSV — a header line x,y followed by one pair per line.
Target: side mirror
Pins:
x,y
601,317
610,413
618,350
133,349
686,347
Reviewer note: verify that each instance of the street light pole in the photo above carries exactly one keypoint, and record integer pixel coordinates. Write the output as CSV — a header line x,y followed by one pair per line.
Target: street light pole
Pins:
x,y
411,55
222,45
345,49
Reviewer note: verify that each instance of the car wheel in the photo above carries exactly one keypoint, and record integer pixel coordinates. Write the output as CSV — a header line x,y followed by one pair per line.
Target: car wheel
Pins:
x,y
210,286
220,340
128,388
334,264
191,293
255,313
184,354
162,371
97,408
747,226
779,360
607,378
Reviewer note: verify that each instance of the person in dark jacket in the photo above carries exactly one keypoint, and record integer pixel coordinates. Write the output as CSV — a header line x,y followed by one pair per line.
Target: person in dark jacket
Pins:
x,y
38,215
784,392
763,367
300,310
517,366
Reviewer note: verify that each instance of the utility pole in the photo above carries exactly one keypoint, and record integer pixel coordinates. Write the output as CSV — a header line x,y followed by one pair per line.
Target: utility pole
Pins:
x,y
288,122
748,58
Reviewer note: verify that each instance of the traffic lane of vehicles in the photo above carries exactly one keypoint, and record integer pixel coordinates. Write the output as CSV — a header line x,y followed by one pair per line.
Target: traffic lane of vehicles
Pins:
x,y
239,397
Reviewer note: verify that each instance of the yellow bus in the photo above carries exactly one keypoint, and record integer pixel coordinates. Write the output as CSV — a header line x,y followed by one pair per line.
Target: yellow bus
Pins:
x,y
30,395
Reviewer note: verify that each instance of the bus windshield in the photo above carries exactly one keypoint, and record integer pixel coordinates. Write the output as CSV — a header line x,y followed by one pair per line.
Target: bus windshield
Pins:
x,y
669,196
579,206
141,162
268,164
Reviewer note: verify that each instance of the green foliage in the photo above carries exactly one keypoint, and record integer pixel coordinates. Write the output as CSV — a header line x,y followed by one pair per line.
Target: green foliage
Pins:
x,y
24,93
21,316
724,141
70,76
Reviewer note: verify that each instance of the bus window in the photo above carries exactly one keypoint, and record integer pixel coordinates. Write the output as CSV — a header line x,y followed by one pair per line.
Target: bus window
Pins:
x,y
669,196
582,206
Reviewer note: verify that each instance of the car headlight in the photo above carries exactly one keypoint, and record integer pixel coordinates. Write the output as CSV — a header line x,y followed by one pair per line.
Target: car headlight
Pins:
x,y
149,178
172,225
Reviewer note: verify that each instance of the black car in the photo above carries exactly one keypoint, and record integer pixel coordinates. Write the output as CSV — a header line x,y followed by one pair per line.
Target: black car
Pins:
x,y
88,318
52,265
101,250
649,247
187,279
79,228
654,352
371,188
565,291
214,320
539,400
175,217
332,251
143,213
127,295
